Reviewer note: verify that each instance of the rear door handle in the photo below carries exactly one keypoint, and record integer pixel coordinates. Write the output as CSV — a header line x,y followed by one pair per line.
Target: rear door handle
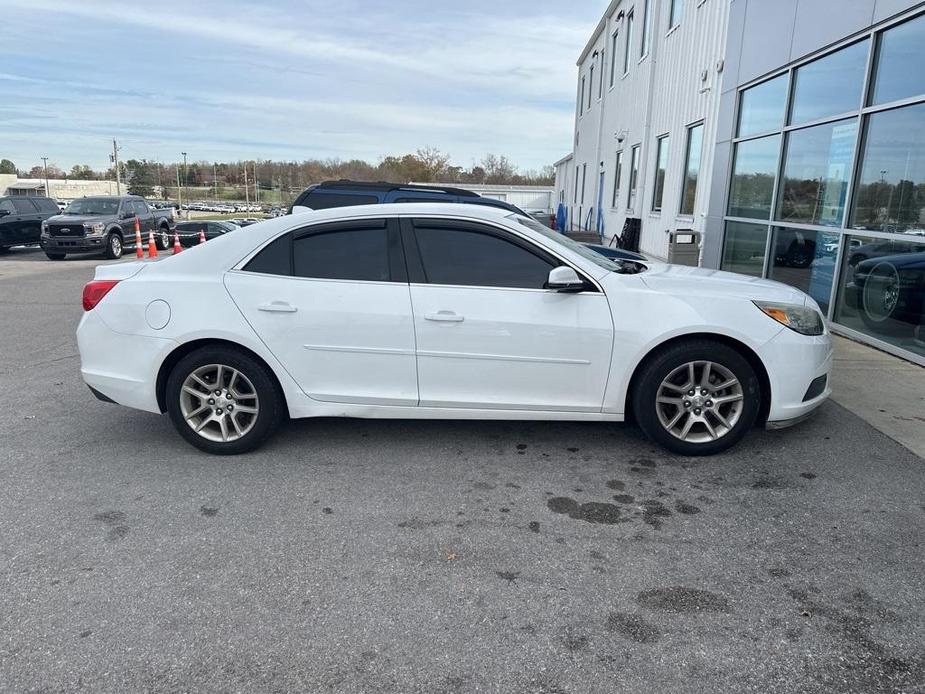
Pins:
x,y
278,307
445,316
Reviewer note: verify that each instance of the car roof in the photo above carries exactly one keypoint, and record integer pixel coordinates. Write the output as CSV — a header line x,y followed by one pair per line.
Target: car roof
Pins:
x,y
385,187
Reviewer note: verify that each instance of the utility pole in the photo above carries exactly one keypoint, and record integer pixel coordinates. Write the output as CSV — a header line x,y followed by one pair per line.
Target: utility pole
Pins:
x,y
45,164
247,195
185,172
214,182
179,195
115,162
256,185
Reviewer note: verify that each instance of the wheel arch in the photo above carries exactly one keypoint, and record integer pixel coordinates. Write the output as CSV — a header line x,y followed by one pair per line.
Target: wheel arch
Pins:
x,y
747,352
181,351
116,229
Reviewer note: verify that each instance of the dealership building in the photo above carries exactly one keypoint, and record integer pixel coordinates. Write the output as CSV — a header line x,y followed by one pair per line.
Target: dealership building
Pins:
x,y
785,137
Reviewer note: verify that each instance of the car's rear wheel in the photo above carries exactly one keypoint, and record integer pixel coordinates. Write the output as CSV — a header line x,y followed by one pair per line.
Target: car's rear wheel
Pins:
x,y
223,401
162,239
882,300
697,397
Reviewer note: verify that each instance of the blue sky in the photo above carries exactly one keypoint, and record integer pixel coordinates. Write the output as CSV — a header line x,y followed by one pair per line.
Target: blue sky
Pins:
x,y
227,80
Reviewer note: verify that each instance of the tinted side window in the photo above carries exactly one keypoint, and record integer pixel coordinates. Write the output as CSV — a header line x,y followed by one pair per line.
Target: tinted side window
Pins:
x,y
141,209
478,258
7,206
46,205
24,206
324,201
348,254
275,259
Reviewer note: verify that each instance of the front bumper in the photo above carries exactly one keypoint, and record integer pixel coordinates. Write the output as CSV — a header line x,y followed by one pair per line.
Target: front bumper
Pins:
x,y
73,244
794,362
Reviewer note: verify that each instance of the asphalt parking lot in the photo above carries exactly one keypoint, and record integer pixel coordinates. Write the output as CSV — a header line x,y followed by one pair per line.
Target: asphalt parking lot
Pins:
x,y
402,556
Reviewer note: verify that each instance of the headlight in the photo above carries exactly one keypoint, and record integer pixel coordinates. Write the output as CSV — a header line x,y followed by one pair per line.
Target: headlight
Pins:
x,y
801,319
94,229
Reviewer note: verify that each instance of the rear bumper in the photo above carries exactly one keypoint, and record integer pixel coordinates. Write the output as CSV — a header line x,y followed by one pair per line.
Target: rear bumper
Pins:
x,y
121,368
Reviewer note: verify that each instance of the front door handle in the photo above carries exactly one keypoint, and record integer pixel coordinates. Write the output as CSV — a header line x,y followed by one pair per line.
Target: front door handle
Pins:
x,y
278,307
445,316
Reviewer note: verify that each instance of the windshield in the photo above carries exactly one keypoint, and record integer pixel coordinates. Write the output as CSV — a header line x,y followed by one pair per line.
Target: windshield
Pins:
x,y
572,245
93,206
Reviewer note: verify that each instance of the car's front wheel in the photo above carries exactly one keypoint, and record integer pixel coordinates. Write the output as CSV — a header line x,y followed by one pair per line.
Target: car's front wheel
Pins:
x,y
223,401
697,397
114,246
54,256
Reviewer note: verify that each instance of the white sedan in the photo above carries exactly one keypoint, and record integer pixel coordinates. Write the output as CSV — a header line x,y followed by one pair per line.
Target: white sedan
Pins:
x,y
438,311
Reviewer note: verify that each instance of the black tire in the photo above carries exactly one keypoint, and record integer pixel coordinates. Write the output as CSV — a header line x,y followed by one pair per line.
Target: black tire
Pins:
x,y
271,406
115,247
162,239
882,302
663,363
4,250
54,256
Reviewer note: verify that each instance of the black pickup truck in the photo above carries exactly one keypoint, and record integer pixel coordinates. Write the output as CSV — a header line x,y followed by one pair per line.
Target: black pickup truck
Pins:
x,y
105,224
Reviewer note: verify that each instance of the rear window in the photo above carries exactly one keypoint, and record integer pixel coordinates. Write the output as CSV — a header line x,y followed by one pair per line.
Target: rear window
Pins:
x,y
323,201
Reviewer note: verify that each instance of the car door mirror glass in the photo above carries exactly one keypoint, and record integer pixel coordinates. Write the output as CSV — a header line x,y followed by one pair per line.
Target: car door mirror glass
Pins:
x,y
4,213
564,279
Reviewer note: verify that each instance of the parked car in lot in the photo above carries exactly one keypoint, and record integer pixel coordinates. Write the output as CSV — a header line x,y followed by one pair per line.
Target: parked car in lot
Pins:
x,y
188,232
445,312
323,196
21,219
104,224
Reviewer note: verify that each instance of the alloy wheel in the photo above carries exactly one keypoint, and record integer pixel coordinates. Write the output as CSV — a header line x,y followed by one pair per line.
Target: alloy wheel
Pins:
x,y
881,292
219,403
699,401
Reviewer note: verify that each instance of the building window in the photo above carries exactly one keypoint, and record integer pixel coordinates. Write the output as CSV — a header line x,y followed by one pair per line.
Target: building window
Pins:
x,y
754,169
590,84
600,78
634,177
613,56
900,56
584,176
628,46
674,16
617,178
581,98
691,168
761,108
646,20
890,189
743,248
661,165
829,86
796,256
817,165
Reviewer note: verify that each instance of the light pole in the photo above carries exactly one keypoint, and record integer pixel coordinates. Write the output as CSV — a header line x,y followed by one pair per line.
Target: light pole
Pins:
x,y
45,164
185,174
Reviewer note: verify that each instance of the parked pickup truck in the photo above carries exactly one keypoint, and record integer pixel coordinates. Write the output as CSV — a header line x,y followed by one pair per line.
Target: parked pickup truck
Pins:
x,y
105,224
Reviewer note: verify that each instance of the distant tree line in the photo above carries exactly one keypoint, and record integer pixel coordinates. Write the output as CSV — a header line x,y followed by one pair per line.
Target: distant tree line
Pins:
x,y
427,165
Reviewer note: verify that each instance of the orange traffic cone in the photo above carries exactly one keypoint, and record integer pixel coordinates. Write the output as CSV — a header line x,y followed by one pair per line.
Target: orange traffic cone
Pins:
x,y
202,237
176,243
152,247
139,250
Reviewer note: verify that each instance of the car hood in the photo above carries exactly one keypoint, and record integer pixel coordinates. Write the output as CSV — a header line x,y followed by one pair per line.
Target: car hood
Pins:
x,y
695,281
77,219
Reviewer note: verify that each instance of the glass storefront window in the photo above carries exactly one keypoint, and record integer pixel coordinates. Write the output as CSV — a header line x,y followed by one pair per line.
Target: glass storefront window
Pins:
x,y
817,165
661,165
805,260
753,173
890,192
900,56
762,107
743,248
830,85
882,289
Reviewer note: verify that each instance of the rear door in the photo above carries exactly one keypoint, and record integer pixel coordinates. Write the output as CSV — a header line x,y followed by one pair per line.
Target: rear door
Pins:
x,y
332,303
489,335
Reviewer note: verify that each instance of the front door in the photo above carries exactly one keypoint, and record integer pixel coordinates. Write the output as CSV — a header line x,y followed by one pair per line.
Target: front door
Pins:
x,y
489,336
332,303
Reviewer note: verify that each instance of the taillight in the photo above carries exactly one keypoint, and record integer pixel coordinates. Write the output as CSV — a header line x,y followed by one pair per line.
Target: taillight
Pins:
x,y
95,291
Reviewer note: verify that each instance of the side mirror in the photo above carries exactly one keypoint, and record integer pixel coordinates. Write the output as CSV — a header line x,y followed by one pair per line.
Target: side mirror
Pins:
x,y
128,215
564,279
4,213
